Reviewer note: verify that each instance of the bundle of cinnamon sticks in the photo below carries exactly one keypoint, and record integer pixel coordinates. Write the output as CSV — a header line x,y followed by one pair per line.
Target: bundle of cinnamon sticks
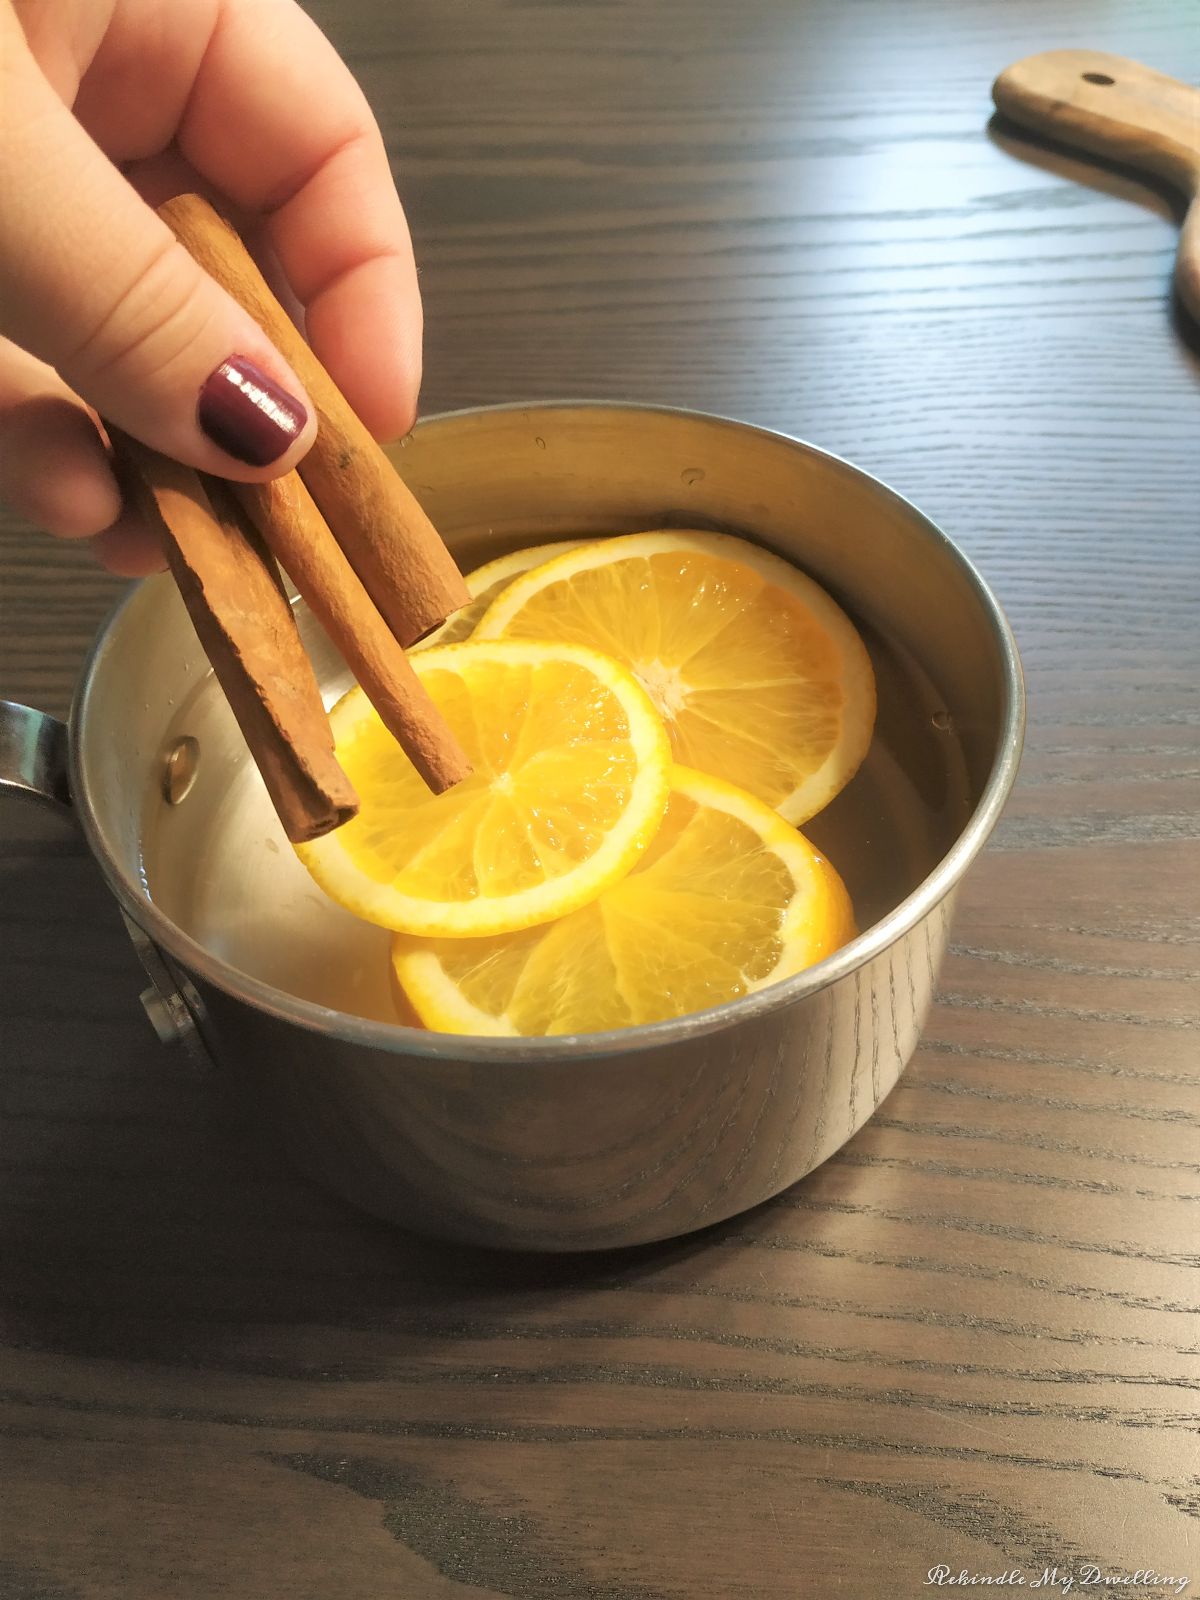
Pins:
x,y
349,534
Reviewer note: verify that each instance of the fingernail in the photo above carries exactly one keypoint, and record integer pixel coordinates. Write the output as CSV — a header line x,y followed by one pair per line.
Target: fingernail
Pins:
x,y
247,414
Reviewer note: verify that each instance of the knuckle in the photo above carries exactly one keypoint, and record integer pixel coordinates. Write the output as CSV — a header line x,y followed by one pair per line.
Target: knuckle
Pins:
x,y
150,326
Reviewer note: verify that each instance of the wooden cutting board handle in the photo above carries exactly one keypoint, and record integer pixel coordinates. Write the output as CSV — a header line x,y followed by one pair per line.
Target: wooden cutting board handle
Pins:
x,y
1116,108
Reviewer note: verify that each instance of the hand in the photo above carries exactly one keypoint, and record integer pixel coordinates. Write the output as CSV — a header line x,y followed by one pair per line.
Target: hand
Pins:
x,y
108,107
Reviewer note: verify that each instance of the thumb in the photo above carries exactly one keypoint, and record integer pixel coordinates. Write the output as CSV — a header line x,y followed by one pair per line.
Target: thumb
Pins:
x,y
93,282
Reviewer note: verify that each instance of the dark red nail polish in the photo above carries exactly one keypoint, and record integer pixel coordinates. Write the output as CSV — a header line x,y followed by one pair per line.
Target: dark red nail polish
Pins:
x,y
247,414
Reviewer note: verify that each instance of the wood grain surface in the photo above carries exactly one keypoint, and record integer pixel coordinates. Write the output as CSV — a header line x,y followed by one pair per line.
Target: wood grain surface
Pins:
x,y
971,1338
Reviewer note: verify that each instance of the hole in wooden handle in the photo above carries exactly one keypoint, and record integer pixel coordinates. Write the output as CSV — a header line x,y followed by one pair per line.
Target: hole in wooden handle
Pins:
x,y
1098,77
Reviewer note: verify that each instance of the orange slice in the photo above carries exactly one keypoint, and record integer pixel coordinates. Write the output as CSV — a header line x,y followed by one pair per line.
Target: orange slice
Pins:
x,y
485,583
759,675
728,899
571,771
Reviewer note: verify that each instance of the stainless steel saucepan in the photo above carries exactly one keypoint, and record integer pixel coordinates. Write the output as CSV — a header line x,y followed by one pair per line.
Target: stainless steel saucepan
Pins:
x,y
564,1143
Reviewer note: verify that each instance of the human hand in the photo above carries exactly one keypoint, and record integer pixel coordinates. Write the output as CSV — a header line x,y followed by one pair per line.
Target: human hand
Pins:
x,y
108,107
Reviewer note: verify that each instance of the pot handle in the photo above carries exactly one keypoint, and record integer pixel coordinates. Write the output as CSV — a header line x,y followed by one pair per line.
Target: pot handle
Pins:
x,y
33,755
35,765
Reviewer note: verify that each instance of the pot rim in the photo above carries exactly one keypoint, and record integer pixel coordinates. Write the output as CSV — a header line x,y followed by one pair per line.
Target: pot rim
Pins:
x,y
400,1040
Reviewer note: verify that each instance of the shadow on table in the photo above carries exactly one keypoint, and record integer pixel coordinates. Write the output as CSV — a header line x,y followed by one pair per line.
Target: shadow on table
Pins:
x,y
135,1214
1103,177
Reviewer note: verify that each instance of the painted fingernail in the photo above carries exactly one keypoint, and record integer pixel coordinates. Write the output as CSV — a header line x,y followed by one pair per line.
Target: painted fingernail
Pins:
x,y
247,414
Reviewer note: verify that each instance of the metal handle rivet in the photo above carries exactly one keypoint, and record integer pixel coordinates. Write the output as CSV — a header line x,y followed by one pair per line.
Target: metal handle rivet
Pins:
x,y
180,769
162,1018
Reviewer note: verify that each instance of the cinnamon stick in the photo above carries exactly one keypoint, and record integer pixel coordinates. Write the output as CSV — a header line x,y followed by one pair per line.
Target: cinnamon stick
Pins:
x,y
240,611
288,520
388,539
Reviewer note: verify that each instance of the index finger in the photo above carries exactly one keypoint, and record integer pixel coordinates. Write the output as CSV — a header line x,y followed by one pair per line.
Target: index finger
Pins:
x,y
276,122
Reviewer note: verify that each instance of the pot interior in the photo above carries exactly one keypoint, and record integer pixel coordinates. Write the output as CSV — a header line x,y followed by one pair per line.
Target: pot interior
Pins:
x,y
179,812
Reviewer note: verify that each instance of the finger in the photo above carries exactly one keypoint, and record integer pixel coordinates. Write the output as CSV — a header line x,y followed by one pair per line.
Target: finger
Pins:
x,y
93,282
300,145
362,315
129,548
165,176
54,467
54,470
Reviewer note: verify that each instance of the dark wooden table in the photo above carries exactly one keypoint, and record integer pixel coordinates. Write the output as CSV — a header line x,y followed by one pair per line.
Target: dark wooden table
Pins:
x,y
969,1339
